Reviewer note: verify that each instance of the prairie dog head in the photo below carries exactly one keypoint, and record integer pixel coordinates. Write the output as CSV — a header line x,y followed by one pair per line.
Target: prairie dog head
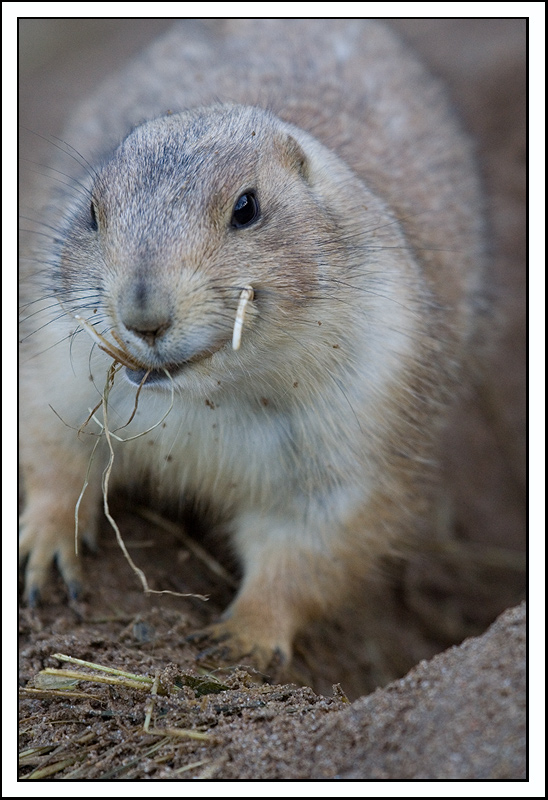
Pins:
x,y
189,211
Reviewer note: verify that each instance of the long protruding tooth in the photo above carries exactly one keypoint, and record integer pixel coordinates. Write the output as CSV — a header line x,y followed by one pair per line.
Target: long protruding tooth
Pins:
x,y
247,294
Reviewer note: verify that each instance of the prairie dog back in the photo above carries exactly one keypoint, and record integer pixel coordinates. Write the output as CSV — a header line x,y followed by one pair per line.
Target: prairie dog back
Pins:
x,y
323,174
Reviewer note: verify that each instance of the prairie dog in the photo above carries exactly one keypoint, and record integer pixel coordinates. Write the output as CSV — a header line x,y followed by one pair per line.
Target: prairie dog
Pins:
x,y
318,164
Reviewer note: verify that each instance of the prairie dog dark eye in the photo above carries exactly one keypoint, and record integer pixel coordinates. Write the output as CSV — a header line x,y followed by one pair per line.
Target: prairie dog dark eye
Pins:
x,y
93,216
246,210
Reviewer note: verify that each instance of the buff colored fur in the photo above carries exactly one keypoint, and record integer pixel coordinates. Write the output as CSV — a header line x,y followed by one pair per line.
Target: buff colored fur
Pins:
x,y
312,444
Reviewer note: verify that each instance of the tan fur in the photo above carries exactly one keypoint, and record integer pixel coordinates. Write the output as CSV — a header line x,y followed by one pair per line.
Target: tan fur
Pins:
x,y
313,442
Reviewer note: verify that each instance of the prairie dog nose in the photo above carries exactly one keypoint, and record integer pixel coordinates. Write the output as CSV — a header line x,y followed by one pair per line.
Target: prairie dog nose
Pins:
x,y
149,330
145,312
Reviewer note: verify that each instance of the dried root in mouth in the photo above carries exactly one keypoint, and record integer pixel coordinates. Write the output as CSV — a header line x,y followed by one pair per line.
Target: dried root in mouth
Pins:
x,y
120,356
247,294
118,352
113,369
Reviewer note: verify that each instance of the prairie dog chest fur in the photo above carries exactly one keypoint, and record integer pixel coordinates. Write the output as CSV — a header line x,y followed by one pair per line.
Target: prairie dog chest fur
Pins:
x,y
321,177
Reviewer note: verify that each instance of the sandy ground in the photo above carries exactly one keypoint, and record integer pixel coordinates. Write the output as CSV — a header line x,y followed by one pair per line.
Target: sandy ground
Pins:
x,y
457,715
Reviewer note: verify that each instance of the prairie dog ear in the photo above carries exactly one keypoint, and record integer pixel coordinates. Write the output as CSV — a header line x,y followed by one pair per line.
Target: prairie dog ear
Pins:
x,y
292,155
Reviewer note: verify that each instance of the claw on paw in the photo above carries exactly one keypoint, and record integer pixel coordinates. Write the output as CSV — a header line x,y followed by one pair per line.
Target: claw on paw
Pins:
x,y
224,646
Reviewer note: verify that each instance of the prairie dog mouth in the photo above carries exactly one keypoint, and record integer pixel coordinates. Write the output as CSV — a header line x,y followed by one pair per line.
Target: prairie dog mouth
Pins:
x,y
169,371
155,376
158,376
137,372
